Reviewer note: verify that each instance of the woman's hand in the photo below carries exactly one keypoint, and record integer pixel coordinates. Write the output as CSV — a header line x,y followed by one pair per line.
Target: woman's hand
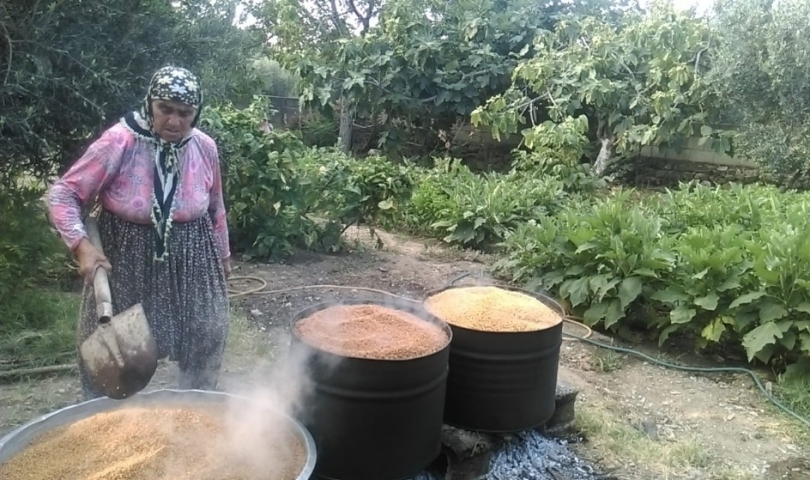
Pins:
x,y
90,259
226,266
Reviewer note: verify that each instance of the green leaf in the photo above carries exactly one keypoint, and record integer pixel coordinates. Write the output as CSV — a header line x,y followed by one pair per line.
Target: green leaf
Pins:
x,y
765,354
577,290
600,285
706,130
552,279
789,340
682,314
805,338
770,311
746,299
614,313
745,320
584,248
803,307
595,313
575,270
757,339
729,284
709,302
629,290
701,274
802,325
386,205
671,296
714,330
665,333
646,272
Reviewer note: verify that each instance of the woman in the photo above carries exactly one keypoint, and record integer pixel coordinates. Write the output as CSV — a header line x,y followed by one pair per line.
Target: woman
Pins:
x,y
156,180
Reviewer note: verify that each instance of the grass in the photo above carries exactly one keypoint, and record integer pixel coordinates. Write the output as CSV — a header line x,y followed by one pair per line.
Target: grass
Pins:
x,y
619,443
246,340
607,361
623,441
794,390
38,328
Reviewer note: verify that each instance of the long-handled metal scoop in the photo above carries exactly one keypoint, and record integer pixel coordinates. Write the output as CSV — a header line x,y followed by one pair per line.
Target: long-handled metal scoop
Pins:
x,y
121,355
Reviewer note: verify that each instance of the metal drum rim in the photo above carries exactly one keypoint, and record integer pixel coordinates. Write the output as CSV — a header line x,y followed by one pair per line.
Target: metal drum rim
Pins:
x,y
416,307
547,299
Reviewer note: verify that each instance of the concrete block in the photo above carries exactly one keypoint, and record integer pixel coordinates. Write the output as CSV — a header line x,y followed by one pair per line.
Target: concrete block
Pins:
x,y
468,453
563,420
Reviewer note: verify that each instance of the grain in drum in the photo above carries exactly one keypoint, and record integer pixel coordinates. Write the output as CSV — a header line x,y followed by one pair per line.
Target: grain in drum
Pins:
x,y
504,356
378,374
371,332
492,309
154,443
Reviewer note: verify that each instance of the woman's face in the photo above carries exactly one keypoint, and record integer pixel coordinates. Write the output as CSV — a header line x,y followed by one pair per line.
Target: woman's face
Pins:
x,y
171,119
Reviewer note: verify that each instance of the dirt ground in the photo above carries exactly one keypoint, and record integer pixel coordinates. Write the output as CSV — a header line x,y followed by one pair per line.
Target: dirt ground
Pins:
x,y
637,420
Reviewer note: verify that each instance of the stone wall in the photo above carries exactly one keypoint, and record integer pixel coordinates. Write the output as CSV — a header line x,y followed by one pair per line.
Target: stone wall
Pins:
x,y
659,172
666,167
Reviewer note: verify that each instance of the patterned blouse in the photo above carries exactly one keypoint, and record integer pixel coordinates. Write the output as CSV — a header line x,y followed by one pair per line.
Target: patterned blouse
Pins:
x,y
119,167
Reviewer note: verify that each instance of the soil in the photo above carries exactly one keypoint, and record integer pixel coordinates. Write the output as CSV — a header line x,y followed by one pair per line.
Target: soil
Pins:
x,y
724,416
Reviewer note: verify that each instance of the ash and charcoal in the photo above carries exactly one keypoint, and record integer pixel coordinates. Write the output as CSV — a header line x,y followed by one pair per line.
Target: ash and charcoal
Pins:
x,y
529,456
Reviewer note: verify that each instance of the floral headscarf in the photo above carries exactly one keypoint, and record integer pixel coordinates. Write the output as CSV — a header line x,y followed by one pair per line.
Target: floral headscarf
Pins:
x,y
173,84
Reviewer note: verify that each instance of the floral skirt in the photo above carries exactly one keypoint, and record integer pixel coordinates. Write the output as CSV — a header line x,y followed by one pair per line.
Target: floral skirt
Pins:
x,y
184,297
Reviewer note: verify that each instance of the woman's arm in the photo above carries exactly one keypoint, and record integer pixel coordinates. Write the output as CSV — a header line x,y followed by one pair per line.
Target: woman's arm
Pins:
x,y
82,183
216,207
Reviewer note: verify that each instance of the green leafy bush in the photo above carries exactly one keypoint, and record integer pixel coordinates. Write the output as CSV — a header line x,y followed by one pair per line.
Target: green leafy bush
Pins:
x,y
712,272
264,194
353,191
434,194
31,253
37,321
277,188
318,130
576,177
728,267
694,204
601,259
479,210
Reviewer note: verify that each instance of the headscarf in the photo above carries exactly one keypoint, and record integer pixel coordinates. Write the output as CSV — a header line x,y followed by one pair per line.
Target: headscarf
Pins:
x,y
172,84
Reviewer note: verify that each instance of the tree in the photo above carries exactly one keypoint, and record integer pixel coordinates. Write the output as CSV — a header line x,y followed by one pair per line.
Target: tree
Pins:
x,y
640,80
760,75
68,69
311,33
426,62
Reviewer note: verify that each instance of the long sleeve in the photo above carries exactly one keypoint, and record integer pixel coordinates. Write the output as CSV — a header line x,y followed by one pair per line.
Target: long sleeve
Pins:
x,y
82,183
216,207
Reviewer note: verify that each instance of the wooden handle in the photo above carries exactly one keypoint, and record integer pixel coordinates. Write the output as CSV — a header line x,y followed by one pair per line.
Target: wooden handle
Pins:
x,y
101,284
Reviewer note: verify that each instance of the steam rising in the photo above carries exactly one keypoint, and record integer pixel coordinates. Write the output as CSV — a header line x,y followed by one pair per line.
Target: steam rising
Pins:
x,y
284,387
253,420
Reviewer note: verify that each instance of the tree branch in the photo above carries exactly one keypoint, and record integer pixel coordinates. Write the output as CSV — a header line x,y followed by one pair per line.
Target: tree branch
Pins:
x,y
370,13
364,20
420,100
10,52
335,16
